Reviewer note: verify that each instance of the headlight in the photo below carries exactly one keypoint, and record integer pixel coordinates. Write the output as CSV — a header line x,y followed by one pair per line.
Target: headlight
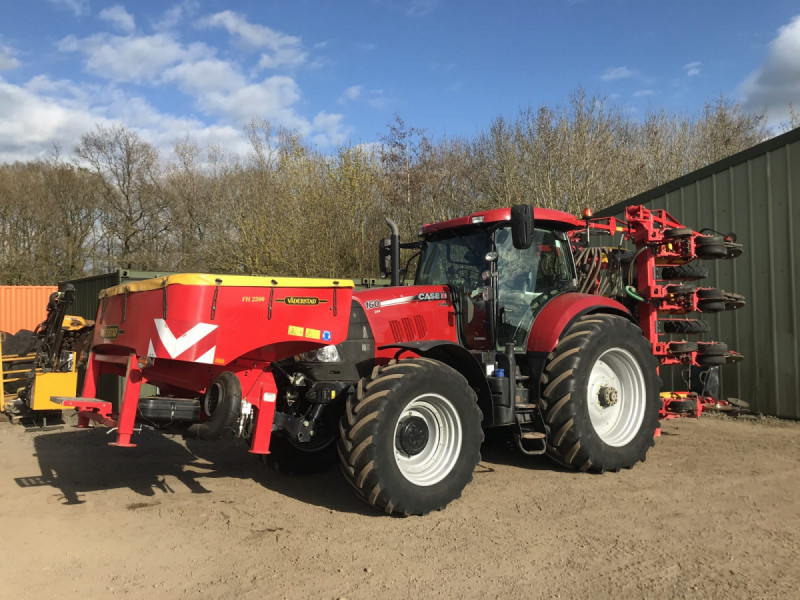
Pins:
x,y
324,354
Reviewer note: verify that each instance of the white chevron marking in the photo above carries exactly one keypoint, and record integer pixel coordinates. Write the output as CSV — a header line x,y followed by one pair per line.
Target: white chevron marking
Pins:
x,y
208,357
177,346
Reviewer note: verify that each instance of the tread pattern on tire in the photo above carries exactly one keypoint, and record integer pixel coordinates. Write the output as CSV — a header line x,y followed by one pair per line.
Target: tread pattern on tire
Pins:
x,y
565,445
688,272
686,326
363,415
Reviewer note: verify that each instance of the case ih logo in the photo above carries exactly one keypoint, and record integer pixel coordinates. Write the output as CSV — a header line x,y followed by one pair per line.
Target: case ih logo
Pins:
x,y
196,343
432,296
301,300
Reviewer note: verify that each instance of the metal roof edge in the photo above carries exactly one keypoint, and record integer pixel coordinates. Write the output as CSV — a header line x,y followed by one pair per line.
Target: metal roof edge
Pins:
x,y
729,161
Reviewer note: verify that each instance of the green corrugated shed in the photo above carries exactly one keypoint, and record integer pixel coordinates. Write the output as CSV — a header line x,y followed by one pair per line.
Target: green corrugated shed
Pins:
x,y
756,194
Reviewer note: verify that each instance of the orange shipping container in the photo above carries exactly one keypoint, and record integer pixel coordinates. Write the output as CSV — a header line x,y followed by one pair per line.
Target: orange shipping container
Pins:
x,y
23,306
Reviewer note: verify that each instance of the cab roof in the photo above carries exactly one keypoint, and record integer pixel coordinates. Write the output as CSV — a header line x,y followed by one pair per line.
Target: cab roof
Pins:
x,y
554,218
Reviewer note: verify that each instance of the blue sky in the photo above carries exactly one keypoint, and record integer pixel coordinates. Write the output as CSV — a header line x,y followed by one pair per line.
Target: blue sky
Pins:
x,y
337,71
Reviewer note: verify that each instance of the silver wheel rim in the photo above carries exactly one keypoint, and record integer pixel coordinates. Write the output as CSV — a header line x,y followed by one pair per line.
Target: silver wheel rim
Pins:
x,y
617,424
443,447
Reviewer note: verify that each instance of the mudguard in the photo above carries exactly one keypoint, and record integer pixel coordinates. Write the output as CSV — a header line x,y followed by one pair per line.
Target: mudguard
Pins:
x,y
562,310
460,359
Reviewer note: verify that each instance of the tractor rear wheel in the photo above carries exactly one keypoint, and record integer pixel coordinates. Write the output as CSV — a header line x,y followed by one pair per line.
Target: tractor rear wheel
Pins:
x,y
411,437
600,395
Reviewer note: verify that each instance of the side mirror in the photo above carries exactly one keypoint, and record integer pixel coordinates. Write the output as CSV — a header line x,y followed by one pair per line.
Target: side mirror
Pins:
x,y
522,226
385,256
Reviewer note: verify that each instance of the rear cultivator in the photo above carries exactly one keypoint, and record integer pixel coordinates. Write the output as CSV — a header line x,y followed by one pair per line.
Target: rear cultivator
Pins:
x,y
660,277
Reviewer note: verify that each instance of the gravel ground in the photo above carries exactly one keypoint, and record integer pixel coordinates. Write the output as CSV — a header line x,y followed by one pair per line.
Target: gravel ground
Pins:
x,y
713,513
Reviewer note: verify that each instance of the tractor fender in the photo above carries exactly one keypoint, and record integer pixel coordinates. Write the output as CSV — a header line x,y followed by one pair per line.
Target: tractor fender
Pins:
x,y
460,359
562,311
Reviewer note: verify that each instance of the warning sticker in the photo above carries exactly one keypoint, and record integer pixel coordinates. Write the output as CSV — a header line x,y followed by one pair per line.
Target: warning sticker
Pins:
x,y
293,330
314,334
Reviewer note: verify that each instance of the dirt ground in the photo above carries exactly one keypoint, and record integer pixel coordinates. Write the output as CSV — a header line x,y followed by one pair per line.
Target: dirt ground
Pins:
x,y
713,513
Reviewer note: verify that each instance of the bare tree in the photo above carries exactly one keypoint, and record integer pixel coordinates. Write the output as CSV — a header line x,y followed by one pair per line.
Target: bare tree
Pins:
x,y
134,219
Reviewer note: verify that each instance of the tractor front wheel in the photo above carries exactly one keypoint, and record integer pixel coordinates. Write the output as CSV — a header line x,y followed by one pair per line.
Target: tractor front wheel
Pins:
x,y
411,436
600,395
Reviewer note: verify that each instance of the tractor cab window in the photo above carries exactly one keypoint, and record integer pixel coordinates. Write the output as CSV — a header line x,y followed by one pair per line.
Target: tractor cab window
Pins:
x,y
524,276
455,258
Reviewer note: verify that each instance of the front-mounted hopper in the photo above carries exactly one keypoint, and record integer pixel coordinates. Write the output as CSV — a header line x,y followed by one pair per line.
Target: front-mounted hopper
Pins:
x,y
207,342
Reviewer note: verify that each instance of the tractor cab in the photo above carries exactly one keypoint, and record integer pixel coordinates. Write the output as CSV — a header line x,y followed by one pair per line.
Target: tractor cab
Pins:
x,y
501,267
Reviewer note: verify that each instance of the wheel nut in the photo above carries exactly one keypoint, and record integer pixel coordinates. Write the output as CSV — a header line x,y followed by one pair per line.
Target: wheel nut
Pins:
x,y
608,396
412,435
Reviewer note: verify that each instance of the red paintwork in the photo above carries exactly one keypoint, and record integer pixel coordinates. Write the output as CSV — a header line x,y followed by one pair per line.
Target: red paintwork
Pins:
x,y
242,313
551,322
554,218
250,329
402,314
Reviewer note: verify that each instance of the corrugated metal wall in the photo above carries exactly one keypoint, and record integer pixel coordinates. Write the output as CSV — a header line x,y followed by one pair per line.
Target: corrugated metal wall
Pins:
x,y
755,194
23,306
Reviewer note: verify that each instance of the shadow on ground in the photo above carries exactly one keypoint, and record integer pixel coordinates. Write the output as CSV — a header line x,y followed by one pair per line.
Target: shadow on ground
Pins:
x,y
80,462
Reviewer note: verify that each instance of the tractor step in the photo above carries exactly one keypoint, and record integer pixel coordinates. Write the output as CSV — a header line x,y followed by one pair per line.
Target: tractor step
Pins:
x,y
532,435
525,406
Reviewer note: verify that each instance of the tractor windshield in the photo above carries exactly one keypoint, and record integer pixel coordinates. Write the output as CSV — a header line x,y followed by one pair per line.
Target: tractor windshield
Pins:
x,y
525,278
455,258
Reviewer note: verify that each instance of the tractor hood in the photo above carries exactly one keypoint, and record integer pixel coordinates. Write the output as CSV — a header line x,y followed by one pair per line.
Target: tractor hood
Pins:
x,y
407,314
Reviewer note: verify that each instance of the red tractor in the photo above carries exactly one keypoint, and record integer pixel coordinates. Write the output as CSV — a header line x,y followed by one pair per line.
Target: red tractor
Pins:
x,y
500,329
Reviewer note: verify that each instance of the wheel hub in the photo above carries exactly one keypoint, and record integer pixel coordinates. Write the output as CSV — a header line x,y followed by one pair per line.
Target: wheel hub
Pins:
x,y
412,435
608,396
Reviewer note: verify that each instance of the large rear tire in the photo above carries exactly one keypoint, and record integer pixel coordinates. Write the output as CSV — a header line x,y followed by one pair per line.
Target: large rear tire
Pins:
x,y
600,395
411,437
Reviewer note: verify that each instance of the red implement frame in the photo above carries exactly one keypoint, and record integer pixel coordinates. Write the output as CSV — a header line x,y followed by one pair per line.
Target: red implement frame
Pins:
x,y
656,248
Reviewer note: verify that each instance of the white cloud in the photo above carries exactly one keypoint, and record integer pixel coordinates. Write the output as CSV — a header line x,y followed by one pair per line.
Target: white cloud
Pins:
x,y
615,73
420,8
640,93
130,58
378,100
225,94
206,75
330,129
78,7
282,50
46,112
7,59
119,17
31,123
350,94
272,98
776,82
693,68
175,15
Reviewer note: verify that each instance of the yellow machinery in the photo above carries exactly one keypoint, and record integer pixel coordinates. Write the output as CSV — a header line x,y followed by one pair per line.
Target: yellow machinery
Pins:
x,y
13,374
61,345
